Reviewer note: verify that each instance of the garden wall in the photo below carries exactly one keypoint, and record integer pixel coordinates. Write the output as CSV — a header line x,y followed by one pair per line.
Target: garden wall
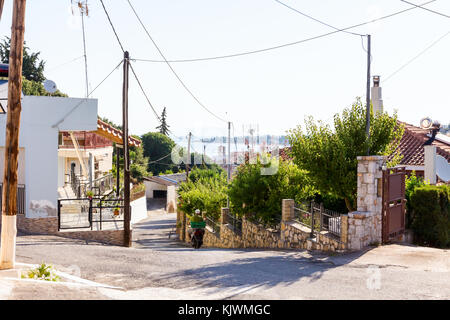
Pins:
x,y
292,234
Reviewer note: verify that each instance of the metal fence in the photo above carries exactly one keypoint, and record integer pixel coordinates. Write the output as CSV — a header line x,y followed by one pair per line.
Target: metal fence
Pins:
x,y
213,224
92,213
235,222
98,186
273,223
21,199
314,216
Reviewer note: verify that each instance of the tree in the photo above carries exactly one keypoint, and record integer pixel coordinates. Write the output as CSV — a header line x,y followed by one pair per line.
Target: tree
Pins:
x,y
33,67
163,127
259,196
34,88
158,148
330,156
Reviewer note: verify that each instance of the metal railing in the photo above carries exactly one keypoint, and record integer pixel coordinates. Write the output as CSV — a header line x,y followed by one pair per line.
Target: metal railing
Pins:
x,y
21,198
235,222
84,213
99,186
274,223
213,224
317,218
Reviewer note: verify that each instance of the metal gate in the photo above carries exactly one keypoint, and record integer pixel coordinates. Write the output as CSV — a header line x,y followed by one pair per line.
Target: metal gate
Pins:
x,y
394,203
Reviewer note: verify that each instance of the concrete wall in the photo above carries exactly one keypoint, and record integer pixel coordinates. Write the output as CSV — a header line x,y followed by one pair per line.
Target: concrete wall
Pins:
x,y
138,209
172,195
150,186
40,143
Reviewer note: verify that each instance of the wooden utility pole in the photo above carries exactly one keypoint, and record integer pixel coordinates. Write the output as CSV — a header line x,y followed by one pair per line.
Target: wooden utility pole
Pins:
x,y
228,161
2,2
9,196
126,154
188,159
368,95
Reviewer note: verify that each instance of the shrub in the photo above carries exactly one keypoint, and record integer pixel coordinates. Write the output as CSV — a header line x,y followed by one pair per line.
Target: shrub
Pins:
x,y
43,272
431,218
411,183
257,195
205,190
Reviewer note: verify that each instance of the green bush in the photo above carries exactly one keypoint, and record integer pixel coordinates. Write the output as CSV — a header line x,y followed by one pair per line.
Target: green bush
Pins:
x,y
259,196
411,183
205,190
431,215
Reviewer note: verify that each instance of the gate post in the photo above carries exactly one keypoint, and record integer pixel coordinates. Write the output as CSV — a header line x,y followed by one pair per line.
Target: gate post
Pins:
x,y
365,224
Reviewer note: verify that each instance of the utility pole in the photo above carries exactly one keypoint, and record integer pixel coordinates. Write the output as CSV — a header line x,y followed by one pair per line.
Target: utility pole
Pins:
x,y
126,153
117,171
228,161
368,95
2,2
9,196
188,159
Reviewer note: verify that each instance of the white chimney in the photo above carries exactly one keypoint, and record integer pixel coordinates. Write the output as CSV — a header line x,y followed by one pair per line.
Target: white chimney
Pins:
x,y
377,101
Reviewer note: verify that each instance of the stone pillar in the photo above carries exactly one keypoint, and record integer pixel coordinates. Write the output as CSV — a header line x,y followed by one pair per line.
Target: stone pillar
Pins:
x,y
287,210
365,224
430,164
344,228
224,215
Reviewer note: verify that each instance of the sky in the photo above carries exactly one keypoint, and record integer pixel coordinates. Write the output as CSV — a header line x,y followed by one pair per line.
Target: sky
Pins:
x,y
274,90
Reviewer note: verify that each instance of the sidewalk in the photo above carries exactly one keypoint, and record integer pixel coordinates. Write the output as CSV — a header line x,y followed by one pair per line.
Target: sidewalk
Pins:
x,y
13,287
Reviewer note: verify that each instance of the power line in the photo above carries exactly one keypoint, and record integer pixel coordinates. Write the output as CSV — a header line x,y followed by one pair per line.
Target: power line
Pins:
x,y
417,56
144,93
317,20
63,64
418,6
112,26
171,68
131,66
286,44
85,99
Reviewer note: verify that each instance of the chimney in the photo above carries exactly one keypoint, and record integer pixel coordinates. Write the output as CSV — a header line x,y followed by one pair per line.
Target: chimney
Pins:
x,y
377,101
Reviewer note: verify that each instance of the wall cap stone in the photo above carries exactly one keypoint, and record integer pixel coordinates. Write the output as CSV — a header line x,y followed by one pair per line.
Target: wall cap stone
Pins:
x,y
370,158
360,214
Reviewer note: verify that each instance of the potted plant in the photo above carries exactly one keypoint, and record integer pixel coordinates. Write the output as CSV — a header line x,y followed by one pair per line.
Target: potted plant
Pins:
x,y
116,211
89,194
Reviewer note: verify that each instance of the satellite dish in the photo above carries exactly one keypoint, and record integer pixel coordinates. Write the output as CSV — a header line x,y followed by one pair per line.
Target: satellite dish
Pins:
x,y
50,86
426,123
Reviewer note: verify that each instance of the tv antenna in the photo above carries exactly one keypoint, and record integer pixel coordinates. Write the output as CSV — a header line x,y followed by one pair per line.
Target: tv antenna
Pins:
x,y
84,11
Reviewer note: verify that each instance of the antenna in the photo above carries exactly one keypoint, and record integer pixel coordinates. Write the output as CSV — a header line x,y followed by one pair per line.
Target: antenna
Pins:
x,y
84,10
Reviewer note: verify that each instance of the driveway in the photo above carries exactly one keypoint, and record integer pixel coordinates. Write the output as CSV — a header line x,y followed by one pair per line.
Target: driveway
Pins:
x,y
157,267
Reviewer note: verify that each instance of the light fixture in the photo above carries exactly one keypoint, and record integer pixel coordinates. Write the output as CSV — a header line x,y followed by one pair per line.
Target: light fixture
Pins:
x,y
376,81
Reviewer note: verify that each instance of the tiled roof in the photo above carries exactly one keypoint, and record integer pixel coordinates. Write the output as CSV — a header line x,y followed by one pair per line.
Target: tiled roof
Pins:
x,y
114,134
411,146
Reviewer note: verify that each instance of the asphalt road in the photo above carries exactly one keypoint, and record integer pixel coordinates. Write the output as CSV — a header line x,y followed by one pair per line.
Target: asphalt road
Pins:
x,y
157,267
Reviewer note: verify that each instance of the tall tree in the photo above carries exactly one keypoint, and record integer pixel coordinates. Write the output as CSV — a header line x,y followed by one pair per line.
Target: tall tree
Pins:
x,y
158,148
33,66
163,127
330,156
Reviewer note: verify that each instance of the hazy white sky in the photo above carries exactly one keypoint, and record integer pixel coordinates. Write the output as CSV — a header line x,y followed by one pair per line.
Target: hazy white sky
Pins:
x,y
275,89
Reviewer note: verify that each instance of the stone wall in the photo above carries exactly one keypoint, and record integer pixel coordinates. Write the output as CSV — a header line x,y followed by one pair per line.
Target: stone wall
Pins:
x,y
49,226
291,236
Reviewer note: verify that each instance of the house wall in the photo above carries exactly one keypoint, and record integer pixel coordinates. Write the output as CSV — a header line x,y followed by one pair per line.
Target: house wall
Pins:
x,y
150,186
40,142
21,168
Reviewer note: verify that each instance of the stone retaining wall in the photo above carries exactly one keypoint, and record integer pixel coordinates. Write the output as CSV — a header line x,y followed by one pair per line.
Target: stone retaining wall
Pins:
x,y
292,234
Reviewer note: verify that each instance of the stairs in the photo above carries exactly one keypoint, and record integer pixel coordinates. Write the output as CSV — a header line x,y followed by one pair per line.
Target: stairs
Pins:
x,y
66,192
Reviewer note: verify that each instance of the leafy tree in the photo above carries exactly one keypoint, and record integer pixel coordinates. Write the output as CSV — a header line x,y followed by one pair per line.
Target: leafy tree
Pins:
x,y
259,196
330,156
163,127
34,88
33,66
206,190
158,148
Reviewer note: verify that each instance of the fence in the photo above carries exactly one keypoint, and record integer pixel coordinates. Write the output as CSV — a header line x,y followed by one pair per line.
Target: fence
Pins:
x,y
235,222
21,199
317,218
87,213
215,225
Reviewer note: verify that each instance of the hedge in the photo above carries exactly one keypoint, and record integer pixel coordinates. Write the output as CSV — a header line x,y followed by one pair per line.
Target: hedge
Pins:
x,y
430,219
